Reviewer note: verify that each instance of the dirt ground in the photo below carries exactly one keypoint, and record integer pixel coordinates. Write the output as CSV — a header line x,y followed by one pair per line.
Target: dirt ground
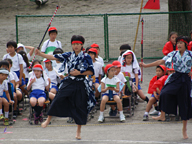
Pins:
x,y
9,8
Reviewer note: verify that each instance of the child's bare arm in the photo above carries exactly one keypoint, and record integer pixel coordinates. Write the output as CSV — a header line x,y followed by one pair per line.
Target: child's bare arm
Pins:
x,y
8,97
136,80
156,96
21,73
31,49
30,84
115,89
103,89
99,78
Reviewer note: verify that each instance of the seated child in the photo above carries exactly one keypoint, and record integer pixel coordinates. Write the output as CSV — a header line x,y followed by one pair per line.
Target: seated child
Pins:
x,y
97,69
3,101
36,61
21,47
38,84
120,76
110,84
131,66
52,74
160,71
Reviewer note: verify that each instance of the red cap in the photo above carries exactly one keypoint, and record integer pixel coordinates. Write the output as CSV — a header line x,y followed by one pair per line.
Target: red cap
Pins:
x,y
46,60
94,45
127,53
37,67
107,68
93,50
116,63
164,68
52,29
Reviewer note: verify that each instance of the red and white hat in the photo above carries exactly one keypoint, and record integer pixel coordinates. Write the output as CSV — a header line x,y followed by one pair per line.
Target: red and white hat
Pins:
x,y
37,67
46,60
108,67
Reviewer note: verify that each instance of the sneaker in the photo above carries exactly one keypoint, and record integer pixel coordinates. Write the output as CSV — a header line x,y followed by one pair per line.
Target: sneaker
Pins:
x,y
1,117
6,121
100,119
41,118
145,118
155,112
36,119
122,118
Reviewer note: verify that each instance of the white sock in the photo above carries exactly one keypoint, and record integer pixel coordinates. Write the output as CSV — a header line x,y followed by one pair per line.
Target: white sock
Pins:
x,y
6,114
146,113
121,112
101,113
1,112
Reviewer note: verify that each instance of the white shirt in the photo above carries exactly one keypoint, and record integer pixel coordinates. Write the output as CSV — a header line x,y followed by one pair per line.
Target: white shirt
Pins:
x,y
25,71
97,69
28,56
3,87
129,68
40,84
17,59
15,76
100,59
53,76
9,78
112,81
121,77
50,46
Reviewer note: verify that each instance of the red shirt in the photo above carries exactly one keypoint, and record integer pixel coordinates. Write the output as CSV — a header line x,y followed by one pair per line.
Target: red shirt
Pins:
x,y
159,83
152,81
168,47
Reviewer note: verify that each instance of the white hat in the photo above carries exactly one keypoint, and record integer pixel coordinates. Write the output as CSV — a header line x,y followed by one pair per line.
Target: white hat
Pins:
x,y
21,45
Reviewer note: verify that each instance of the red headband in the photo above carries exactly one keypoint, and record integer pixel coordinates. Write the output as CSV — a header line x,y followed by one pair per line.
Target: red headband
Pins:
x,y
76,42
184,41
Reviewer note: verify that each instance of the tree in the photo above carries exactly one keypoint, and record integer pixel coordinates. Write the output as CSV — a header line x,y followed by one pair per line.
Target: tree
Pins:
x,y
180,22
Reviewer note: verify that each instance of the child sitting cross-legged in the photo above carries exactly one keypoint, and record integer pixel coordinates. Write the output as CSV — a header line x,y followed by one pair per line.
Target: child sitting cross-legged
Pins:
x,y
160,71
110,84
38,84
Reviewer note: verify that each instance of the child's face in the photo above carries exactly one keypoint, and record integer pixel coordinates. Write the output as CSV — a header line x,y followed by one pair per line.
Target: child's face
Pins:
x,y
159,72
53,36
173,38
7,50
92,56
3,76
48,65
77,47
128,59
19,49
181,46
98,50
118,69
170,72
5,67
11,49
37,73
112,71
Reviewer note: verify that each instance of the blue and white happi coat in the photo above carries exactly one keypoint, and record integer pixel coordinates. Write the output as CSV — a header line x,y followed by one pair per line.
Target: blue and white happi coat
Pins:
x,y
82,62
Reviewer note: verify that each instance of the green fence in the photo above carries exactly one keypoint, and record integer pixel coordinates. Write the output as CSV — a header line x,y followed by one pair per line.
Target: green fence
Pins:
x,y
110,31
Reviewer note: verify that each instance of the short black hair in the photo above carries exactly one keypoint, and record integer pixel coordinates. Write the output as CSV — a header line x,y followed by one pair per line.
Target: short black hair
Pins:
x,y
12,43
36,60
87,49
52,31
185,38
58,51
77,38
9,61
125,47
4,63
122,53
91,52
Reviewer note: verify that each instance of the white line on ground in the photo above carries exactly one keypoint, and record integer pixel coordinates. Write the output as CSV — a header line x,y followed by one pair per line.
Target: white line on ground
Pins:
x,y
64,140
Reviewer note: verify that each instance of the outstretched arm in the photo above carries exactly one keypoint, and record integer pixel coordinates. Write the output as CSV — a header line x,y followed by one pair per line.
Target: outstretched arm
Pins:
x,y
155,63
50,57
31,49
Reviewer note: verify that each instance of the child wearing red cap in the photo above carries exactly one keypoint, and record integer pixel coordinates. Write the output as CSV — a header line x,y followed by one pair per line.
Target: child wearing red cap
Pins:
x,y
98,58
97,69
130,65
160,71
177,90
110,84
51,44
75,97
37,84
171,44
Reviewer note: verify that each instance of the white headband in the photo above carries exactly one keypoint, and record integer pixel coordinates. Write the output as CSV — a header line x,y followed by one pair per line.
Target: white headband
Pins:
x,y
37,69
4,71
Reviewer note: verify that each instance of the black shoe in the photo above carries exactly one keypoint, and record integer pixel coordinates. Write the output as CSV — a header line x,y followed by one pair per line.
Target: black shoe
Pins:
x,y
145,118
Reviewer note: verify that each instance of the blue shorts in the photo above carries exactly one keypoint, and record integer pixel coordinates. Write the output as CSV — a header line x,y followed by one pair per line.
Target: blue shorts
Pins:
x,y
154,97
110,98
26,80
12,90
37,94
97,80
139,87
53,85
18,75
